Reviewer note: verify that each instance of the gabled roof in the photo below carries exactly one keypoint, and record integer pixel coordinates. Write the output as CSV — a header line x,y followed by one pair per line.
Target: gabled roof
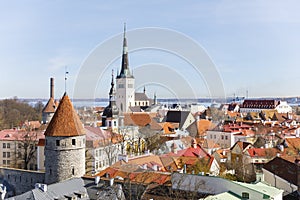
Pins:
x,y
141,119
242,145
285,169
263,152
65,121
140,96
55,191
177,116
192,152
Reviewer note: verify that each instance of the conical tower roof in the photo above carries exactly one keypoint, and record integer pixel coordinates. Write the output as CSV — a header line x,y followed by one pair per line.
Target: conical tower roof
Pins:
x,y
50,106
65,121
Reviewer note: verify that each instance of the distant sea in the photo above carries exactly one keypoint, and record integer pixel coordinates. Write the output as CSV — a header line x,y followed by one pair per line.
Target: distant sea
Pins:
x,y
293,101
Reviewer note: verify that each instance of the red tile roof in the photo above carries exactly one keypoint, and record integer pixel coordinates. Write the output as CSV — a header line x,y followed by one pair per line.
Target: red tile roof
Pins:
x,y
263,152
50,106
141,119
65,121
96,137
203,125
18,135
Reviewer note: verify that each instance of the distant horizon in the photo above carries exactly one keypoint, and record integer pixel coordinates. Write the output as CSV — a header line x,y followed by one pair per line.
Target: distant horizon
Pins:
x,y
165,98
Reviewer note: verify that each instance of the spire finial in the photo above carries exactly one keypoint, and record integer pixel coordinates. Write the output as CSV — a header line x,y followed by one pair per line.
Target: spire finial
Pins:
x,y
112,77
124,29
144,89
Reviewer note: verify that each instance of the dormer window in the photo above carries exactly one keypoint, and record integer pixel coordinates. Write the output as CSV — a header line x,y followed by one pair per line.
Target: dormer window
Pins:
x,y
73,142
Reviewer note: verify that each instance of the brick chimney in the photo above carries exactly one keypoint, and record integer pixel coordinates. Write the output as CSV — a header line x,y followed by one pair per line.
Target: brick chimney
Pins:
x,y
51,87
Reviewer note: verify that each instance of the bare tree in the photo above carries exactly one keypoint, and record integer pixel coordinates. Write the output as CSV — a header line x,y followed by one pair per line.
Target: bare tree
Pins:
x,y
26,148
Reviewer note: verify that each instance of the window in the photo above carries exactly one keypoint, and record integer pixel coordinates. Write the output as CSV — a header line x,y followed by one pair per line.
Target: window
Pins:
x,y
20,145
8,154
8,162
245,195
8,145
50,172
4,145
73,171
109,123
73,142
222,137
214,136
4,155
57,142
130,85
4,162
115,123
121,85
226,137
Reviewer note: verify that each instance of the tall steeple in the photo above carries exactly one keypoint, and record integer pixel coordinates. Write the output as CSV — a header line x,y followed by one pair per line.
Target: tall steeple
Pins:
x,y
111,112
112,92
125,72
125,92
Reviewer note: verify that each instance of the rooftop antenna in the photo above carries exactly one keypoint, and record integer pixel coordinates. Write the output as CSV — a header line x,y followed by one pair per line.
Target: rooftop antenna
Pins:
x,y
66,72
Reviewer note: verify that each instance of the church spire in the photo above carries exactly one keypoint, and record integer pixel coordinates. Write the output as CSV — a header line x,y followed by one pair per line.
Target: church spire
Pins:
x,y
112,91
125,72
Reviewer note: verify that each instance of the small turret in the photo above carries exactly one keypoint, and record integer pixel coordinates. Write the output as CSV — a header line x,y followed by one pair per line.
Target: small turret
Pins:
x,y
50,107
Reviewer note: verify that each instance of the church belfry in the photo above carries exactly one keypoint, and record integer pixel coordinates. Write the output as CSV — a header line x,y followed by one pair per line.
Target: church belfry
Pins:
x,y
111,112
125,81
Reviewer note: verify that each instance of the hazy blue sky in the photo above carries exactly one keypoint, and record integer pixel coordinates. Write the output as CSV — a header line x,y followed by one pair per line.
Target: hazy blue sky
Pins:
x,y
254,45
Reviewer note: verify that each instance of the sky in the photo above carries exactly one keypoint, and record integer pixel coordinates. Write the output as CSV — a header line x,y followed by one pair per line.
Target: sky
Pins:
x,y
176,49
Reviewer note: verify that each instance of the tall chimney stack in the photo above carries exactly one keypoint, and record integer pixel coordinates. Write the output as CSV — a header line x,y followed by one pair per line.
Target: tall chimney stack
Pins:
x,y
51,87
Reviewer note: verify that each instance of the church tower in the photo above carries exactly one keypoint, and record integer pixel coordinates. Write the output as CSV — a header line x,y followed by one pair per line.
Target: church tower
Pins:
x,y
111,112
125,82
65,144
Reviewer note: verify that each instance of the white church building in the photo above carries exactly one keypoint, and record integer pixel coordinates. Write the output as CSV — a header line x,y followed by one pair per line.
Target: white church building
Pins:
x,y
127,100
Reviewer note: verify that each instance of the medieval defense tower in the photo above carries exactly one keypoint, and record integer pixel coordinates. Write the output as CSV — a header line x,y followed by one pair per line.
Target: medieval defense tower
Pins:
x,y
65,144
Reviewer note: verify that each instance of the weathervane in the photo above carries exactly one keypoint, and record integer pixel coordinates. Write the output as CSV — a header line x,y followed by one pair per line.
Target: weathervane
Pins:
x,y
66,72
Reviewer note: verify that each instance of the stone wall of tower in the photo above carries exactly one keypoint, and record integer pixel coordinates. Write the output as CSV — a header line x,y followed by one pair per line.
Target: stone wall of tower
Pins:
x,y
125,93
46,117
64,158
